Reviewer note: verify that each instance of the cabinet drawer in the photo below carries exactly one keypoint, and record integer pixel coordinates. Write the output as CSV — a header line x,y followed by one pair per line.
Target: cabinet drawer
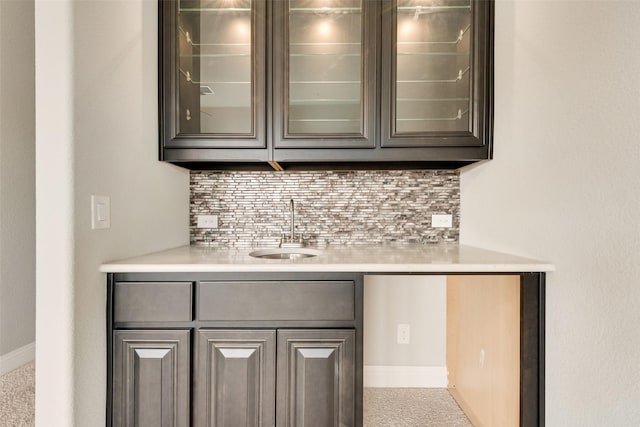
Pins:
x,y
277,300
152,302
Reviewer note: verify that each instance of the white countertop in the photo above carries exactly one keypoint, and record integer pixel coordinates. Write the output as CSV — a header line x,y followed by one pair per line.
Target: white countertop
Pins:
x,y
405,258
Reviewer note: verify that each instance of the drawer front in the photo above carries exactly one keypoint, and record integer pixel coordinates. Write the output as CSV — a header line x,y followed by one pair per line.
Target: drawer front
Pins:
x,y
277,300
152,302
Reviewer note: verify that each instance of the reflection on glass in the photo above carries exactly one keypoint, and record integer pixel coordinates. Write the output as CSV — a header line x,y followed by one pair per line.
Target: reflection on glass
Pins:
x,y
433,66
215,65
325,67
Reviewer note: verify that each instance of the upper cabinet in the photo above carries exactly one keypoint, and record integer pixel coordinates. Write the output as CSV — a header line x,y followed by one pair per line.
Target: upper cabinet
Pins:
x,y
325,83
213,80
324,79
435,73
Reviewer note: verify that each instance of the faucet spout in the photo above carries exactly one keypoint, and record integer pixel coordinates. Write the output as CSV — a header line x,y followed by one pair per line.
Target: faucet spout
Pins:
x,y
293,218
291,242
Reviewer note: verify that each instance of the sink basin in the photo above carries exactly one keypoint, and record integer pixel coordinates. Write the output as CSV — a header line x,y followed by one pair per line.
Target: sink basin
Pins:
x,y
285,253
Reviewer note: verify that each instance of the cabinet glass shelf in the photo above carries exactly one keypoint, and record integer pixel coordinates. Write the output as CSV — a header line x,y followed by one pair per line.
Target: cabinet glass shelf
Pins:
x,y
325,10
436,119
411,10
214,9
323,101
214,55
325,120
433,53
325,82
433,100
296,55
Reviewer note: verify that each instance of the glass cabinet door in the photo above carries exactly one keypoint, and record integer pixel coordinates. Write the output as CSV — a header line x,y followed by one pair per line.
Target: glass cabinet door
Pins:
x,y
324,78
434,73
217,70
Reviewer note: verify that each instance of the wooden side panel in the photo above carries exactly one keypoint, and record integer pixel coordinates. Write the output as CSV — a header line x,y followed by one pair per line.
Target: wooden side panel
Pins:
x,y
483,347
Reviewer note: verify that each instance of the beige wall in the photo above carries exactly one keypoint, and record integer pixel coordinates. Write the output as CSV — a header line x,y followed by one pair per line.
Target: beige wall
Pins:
x,y
565,187
97,133
420,301
17,177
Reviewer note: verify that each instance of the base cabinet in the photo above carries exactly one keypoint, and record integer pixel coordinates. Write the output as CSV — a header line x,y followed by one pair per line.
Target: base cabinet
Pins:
x,y
151,378
228,350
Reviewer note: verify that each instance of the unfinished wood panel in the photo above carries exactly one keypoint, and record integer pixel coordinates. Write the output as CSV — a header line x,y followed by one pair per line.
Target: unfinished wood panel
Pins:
x,y
483,347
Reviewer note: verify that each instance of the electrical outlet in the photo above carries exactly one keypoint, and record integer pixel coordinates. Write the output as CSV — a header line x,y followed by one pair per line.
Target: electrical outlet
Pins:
x,y
481,363
404,333
207,221
442,221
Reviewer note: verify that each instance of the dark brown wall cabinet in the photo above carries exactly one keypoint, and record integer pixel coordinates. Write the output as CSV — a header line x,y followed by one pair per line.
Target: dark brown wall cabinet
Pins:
x,y
325,84
257,350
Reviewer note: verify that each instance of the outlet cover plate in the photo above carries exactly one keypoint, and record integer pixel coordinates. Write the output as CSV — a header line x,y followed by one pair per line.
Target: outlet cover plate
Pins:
x,y
207,221
100,212
442,221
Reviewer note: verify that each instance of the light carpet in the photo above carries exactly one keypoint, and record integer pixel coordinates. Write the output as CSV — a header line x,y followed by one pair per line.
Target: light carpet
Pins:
x,y
412,407
383,407
17,397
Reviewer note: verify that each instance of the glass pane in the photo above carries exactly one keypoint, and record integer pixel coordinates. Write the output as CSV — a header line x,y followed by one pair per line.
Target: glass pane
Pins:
x,y
433,66
325,67
215,60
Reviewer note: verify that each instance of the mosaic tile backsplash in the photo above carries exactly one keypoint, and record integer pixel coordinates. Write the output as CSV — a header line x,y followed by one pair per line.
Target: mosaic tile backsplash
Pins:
x,y
354,207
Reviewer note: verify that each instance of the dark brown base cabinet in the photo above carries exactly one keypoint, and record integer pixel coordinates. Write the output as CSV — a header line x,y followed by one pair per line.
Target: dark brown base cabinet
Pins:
x,y
234,350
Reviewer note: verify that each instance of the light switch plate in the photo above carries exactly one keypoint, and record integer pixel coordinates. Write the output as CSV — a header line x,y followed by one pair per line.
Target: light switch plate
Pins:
x,y
100,212
441,221
207,221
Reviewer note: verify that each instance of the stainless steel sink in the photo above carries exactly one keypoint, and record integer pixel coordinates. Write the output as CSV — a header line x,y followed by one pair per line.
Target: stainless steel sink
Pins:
x,y
285,253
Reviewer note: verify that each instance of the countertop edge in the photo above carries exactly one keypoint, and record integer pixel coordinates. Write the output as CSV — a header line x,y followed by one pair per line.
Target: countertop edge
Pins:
x,y
340,268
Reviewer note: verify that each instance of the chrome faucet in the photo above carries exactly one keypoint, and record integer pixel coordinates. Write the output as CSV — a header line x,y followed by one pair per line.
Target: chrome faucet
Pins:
x,y
293,220
291,241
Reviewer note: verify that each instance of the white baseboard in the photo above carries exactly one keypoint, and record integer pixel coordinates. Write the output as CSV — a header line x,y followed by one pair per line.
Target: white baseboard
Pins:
x,y
405,376
17,358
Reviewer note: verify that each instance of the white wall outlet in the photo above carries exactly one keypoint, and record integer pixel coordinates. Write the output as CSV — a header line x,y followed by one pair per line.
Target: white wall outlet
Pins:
x,y
207,221
100,212
481,362
442,221
404,333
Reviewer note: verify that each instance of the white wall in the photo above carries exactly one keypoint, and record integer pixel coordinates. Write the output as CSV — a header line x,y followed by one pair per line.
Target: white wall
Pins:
x,y
419,301
17,180
565,187
96,76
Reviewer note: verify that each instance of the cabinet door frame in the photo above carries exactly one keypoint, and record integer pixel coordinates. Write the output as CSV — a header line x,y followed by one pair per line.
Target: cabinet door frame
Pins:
x,y
130,343
262,342
280,76
337,343
481,109
250,146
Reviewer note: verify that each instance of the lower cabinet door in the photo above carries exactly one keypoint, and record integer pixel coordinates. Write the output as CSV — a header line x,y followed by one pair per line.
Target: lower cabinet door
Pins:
x,y
316,384
235,378
151,378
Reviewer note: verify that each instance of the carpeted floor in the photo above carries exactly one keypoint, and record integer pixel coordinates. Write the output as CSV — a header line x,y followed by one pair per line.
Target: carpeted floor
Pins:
x,y
383,407
412,407
17,397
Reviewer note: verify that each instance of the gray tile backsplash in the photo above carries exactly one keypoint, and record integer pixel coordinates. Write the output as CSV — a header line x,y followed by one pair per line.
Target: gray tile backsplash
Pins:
x,y
354,207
